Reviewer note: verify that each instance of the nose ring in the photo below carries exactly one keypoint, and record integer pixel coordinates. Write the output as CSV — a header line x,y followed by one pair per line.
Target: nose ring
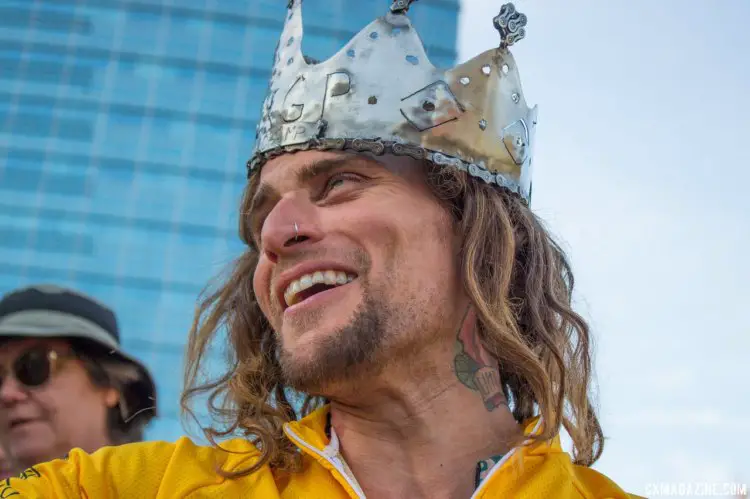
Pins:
x,y
296,232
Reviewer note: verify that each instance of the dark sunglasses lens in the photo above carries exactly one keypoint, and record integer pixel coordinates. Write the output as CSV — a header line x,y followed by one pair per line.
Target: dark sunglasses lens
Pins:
x,y
32,368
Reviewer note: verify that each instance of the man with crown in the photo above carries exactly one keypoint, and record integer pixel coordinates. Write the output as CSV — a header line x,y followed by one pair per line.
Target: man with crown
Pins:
x,y
400,324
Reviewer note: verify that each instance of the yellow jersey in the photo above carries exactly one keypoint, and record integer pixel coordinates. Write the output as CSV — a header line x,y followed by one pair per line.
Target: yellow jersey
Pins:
x,y
183,469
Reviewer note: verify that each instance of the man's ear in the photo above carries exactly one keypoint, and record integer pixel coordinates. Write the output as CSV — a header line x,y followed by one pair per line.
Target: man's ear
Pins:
x,y
111,397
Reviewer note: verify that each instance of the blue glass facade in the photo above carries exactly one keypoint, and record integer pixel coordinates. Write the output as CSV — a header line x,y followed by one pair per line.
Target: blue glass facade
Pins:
x,y
124,130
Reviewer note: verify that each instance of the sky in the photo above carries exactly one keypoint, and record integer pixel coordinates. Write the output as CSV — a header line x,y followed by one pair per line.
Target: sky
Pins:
x,y
642,170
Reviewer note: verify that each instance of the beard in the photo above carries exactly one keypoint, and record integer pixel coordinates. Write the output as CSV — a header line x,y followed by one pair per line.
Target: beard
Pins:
x,y
351,352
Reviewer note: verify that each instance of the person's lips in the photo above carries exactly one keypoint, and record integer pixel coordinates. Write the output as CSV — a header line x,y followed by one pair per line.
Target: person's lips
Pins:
x,y
310,284
306,280
20,422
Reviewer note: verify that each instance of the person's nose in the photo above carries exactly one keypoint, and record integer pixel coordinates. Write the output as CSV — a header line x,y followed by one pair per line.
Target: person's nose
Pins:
x,y
292,225
11,391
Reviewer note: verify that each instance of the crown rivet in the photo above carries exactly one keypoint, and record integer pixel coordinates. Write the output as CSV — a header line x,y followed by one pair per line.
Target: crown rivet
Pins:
x,y
483,124
505,69
515,97
510,24
486,69
465,80
401,6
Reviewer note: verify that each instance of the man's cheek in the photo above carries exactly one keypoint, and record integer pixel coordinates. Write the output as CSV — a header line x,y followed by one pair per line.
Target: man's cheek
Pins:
x,y
261,288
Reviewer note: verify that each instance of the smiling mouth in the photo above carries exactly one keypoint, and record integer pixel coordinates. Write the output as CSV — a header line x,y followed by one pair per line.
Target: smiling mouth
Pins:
x,y
20,422
311,284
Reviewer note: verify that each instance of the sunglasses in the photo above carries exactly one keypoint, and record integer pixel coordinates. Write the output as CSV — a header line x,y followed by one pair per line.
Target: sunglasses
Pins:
x,y
35,366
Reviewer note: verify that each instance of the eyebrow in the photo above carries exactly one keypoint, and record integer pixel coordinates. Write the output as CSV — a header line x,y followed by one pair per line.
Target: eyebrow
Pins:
x,y
304,175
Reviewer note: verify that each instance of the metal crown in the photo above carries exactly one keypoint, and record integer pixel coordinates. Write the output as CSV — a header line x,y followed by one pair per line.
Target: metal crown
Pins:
x,y
381,95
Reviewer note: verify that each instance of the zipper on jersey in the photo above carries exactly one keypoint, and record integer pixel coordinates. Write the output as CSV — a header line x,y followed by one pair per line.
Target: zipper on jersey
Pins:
x,y
331,455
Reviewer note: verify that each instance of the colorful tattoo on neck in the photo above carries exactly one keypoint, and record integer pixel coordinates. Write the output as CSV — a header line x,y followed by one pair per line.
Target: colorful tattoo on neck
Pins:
x,y
484,467
475,367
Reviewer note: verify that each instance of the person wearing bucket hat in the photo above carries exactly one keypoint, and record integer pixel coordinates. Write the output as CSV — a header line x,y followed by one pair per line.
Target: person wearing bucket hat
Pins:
x,y
64,380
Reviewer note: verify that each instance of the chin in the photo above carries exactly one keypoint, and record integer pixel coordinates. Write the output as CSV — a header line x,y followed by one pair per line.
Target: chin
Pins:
x,y
303,347
331,359
31,438
34,449
333,341
302,329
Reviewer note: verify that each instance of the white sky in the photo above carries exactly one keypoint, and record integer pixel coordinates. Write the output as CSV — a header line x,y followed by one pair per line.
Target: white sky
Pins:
x,y
643,168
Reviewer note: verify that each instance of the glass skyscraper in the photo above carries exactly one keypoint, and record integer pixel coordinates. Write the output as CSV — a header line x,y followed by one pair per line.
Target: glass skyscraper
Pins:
x,y
124,130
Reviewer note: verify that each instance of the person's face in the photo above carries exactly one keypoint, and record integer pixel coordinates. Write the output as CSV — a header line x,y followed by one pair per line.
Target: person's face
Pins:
x,y
66,410
381,249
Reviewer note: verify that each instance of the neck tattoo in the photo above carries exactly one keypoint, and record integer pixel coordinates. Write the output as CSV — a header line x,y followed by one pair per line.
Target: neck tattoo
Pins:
x,y
484,467
475,367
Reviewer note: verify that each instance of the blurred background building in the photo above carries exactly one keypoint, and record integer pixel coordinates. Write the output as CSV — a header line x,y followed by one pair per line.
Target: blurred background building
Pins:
x,y
124,130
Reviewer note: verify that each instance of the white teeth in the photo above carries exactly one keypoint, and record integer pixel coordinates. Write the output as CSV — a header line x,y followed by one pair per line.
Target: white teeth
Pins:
x,y
329,277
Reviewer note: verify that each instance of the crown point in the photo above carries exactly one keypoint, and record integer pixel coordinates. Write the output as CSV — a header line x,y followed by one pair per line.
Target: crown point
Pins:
x,y
401,6
510,23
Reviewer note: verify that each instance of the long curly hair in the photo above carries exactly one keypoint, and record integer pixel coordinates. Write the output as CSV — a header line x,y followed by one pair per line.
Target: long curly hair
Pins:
x,y
521,286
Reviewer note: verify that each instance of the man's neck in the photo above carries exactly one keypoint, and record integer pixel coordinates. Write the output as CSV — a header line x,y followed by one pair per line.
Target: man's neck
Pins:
x,y
428,448
425,436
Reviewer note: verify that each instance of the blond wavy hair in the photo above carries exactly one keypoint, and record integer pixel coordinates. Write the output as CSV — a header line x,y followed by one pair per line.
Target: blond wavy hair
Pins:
x,y
521,286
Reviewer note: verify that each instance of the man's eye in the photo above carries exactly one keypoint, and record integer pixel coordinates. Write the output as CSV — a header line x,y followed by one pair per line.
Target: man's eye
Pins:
x,y
339,180
335,182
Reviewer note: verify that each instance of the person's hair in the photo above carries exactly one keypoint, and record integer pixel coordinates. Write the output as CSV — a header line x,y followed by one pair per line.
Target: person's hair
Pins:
x,y
518,279
124,423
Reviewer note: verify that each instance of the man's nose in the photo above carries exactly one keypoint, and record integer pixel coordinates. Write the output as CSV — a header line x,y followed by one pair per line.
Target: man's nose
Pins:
x,y
11,391
292,223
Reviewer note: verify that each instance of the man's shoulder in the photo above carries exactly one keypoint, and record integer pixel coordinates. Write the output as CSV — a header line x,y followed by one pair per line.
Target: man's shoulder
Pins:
x,y
183,450
140,470
595,485
545,470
